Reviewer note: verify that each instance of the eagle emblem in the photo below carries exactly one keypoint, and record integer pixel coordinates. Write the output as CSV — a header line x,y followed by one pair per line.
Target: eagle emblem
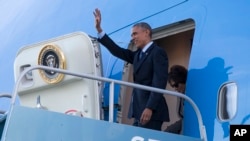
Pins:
x,y
51,56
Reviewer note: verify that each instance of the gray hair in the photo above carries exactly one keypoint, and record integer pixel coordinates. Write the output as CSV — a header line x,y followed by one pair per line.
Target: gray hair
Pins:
x,y
144,26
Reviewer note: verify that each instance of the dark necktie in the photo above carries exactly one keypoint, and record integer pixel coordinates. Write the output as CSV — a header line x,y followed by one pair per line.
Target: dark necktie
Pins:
x,y
141,55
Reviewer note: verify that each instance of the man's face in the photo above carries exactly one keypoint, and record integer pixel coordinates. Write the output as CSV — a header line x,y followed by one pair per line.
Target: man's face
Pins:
x,y
140,36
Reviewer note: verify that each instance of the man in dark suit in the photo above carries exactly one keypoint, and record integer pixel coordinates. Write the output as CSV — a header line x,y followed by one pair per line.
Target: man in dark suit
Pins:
x,y
150,64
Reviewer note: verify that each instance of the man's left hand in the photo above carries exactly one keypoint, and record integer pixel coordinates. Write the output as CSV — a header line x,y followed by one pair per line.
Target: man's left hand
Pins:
x,y
146,116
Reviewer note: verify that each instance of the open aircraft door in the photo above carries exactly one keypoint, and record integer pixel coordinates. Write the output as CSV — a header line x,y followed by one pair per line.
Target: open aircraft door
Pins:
x,y
75,52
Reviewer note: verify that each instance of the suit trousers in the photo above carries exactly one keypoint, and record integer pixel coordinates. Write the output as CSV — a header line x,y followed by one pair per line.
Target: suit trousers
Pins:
x,y
152,124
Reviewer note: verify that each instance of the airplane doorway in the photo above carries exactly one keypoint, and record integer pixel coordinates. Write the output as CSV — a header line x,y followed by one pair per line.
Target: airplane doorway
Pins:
x,y
176,39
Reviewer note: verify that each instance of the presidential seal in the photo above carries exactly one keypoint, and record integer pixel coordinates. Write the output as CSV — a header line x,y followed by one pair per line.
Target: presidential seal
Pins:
x,y
51,56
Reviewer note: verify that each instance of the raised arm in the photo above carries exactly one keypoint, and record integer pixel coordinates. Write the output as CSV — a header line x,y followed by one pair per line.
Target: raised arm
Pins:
x,y
98,19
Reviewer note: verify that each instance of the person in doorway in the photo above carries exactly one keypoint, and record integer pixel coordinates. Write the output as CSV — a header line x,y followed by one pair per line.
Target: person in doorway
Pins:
x,y
150,63
177,79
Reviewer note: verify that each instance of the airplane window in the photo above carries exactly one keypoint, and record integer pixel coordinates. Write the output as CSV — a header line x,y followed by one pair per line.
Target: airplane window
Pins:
x,y
227,101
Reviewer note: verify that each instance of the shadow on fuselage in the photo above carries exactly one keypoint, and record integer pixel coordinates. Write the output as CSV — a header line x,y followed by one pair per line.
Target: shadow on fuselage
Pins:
x,y
203,86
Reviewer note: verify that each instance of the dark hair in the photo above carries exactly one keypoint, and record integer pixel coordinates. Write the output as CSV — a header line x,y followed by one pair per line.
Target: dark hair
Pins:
x,y
144,26
178,74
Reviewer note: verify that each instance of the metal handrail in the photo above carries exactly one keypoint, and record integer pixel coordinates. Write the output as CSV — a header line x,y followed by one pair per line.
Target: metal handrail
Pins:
x,y
111,92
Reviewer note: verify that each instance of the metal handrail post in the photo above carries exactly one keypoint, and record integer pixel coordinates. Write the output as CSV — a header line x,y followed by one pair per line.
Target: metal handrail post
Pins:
x,y
111,102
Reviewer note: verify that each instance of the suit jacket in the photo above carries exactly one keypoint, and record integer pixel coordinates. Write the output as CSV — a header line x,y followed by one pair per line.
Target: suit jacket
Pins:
x,y
150,70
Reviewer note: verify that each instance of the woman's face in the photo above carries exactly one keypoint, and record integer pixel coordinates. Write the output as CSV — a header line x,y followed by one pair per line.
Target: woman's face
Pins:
x,y
179,87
